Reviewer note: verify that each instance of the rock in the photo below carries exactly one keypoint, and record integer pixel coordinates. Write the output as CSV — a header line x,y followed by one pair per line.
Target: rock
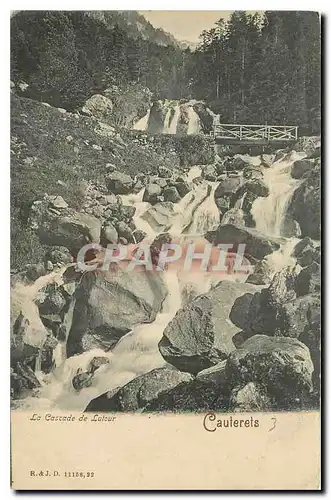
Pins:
x,y
139,235
96,362
253,172
46,354
262,274
301,246
59,255
49,266
294,316
223,204
108,234
119,183
290,228
160,182
305,205
58,202
151,193
233,216
160,216
99,106
51,301
308,144
109,304
257,186
35,271
257,244
165,172
200,335
227,187
127,212
250,398
111,200
140,392
301,167
246,194
72,231
267,160
283,365
82,380
26,339
209,173
309,280
182,187
22,380
215,374
171,194
124,231
265,309
240,162
220,166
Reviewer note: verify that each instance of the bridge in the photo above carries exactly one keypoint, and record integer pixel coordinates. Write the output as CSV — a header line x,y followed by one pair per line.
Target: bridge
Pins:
x,y
226,133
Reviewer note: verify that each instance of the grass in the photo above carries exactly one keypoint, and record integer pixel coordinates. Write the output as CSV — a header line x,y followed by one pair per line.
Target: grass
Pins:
x,y
56,153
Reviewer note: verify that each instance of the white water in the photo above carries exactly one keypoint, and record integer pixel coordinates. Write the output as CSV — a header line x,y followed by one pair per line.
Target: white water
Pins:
x,y
269,212
194,122
173,123
142,124
137,352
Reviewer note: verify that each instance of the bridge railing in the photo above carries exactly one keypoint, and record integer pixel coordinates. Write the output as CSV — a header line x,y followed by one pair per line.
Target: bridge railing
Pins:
x,y
256,132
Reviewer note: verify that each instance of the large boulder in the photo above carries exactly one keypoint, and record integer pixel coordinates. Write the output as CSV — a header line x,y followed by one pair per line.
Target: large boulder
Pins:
x,y
233,216
151,193
58,255
72,231
227,187
257,244
250,398
160,216
182,187
281,365
119,183
200,335
108,234
305,205
109,304
140,392
209,173
171,194
309,280
51,300
301,167
99,106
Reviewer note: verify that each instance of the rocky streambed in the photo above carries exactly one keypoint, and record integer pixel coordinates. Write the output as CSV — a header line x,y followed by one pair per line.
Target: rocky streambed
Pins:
x,y
105,341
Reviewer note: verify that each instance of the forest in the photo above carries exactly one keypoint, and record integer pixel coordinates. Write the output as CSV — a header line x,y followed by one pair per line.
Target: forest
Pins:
x,y
261,68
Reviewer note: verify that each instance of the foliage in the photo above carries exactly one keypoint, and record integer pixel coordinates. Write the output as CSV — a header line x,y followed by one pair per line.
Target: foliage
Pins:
x,y
261,69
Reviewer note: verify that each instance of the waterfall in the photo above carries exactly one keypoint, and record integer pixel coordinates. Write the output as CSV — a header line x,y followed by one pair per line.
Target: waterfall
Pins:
x,y
174,121
269,212
142,124
166,123
194,121
137,352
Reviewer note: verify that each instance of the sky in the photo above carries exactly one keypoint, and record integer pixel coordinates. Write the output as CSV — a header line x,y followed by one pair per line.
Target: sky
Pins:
x,y
185,25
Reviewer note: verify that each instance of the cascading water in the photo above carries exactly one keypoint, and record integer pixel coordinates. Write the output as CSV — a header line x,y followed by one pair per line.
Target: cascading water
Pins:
x,y
174,121
194,122
142,124
137,352
269,213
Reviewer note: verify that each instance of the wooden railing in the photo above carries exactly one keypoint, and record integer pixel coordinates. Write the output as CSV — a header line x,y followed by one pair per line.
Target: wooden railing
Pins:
x,y
255,132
